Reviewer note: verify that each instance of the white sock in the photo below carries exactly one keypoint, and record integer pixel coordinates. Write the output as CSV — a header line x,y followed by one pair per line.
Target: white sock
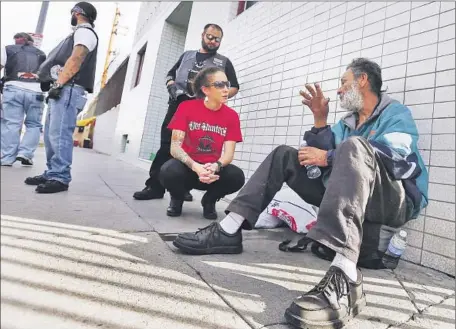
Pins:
x,y
232,222
346,265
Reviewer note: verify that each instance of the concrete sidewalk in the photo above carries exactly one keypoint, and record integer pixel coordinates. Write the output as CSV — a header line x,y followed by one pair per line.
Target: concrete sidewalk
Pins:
x,y
93,257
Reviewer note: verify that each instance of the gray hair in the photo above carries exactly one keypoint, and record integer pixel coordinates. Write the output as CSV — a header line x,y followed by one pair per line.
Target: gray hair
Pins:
x,y
371,69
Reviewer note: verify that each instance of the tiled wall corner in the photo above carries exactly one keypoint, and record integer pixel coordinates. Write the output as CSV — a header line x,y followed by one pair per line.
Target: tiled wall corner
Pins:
x,y
414,42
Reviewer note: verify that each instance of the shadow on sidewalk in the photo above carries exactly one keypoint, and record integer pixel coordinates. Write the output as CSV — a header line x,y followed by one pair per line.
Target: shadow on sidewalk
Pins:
x,y
92,257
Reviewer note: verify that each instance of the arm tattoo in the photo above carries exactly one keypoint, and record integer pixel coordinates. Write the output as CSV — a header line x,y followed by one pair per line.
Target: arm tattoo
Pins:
x,y
177,152
73,64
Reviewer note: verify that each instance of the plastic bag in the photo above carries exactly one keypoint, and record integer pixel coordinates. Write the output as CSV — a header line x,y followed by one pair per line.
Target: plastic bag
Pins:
x,y
288,207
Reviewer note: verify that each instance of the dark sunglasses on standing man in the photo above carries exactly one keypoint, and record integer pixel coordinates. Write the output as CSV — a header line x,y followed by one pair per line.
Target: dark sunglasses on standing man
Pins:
x,y
210,37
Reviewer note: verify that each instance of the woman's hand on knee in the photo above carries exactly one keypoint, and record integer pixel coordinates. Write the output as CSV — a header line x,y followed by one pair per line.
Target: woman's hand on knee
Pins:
x,y
205,176
208,179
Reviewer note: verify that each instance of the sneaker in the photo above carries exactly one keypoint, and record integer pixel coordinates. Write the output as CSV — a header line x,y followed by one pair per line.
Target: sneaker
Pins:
x,y
175,207
148,193
210,240
37,180
51,186
24,160
209,211
188,197
330,304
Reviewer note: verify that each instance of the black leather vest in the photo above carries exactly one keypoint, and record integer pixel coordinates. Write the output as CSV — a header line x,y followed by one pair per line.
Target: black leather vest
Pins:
x,y
23,62
59,55
189,68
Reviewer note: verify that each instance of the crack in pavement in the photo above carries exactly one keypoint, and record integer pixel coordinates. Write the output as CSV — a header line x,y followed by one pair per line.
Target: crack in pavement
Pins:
x,y
195,270
120,198
409,293
417,314
219,294
198,273
274,324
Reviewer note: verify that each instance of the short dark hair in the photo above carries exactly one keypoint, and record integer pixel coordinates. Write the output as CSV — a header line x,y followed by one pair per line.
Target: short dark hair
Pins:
x,y
371,69
202,79
24,35
215,26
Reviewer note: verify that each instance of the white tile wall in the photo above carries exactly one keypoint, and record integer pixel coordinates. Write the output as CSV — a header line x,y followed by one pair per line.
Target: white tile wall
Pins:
x,y
415,45
277,47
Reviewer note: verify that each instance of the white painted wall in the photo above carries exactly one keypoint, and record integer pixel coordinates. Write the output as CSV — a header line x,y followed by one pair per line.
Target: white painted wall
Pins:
x,y
204,13
105,128
134,103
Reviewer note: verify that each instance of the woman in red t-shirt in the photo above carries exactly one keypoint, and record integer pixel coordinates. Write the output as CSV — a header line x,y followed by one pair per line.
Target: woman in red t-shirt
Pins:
x,y
204,136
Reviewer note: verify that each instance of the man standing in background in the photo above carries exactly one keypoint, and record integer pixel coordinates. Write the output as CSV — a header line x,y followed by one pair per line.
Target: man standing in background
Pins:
x,y
22,96
179,82
70,69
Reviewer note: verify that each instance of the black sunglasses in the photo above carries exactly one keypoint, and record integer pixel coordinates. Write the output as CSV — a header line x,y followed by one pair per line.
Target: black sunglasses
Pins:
x,y
78,10
220,84
210,37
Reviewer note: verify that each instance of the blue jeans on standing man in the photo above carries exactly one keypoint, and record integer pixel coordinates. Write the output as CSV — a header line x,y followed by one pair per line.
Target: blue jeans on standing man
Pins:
x,y
17,103
58,132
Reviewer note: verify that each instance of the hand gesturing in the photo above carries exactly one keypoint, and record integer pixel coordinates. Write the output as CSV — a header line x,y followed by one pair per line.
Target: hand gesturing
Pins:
x,y
317,103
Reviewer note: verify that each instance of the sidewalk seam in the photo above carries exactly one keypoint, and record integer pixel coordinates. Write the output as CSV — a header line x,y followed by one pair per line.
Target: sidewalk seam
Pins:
x,y
412,300
220,295
416,314
409,294
274,324
120,198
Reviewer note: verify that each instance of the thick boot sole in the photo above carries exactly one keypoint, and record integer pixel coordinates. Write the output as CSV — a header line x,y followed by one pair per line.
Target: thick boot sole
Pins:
x,y
49,191
173,213
208,251
147,197
24,161
301,323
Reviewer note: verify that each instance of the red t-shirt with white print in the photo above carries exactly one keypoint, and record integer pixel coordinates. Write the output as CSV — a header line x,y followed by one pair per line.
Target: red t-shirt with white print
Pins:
x,y
206,130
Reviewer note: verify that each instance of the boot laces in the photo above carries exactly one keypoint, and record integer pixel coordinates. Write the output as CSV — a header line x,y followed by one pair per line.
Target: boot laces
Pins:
x,y
208,229
334,281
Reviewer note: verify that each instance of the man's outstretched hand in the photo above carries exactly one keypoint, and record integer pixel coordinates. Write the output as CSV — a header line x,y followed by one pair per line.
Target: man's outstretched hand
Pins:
x,y
317,103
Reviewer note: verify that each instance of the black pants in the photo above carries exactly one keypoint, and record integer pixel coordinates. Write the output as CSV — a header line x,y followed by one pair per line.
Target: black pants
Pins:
x,y
177,178
361,203
163,154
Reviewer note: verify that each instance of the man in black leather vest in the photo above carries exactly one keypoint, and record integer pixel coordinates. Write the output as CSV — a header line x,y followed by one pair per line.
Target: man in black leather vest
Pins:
x,y
179,84
70,70
22,96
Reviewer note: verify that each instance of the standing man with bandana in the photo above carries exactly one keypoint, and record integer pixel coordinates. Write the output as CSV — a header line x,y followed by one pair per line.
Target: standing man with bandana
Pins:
x,y
70,71
179,83
22,96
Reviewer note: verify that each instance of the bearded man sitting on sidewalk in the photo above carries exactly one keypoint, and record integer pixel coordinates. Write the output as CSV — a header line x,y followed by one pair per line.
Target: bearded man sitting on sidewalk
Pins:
x,y
374,179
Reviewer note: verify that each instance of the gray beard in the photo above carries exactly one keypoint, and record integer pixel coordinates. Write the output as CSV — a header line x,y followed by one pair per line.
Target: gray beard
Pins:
x,y
352,100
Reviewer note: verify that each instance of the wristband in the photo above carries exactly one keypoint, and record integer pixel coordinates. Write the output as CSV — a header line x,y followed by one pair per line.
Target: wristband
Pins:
x,y
219,164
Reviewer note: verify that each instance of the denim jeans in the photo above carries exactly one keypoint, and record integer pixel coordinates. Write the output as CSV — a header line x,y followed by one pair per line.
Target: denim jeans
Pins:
x,y
58,132
18,102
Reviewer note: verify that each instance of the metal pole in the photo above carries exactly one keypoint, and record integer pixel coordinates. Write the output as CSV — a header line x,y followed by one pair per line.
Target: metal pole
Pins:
x,y
42,19
104,77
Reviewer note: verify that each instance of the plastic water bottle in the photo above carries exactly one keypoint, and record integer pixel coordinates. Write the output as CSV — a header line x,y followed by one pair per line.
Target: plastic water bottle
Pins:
x,y
395,249
312,170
